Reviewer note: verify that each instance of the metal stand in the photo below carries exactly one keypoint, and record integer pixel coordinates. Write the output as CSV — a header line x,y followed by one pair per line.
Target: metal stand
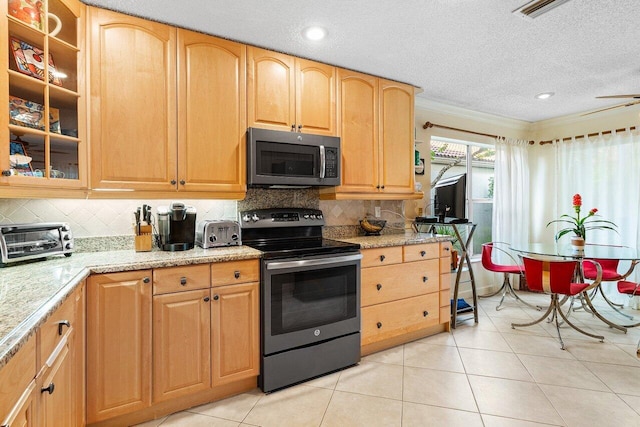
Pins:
x,y
464,258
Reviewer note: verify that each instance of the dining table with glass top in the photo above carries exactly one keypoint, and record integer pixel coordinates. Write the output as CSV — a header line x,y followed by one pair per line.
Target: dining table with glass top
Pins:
x,y
564,251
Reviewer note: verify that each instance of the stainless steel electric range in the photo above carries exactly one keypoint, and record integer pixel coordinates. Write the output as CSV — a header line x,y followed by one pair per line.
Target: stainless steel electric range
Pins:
x,y
310,296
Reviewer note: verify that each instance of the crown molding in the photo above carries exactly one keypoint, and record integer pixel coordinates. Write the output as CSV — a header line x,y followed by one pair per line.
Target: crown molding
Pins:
x,y
630,114
424,104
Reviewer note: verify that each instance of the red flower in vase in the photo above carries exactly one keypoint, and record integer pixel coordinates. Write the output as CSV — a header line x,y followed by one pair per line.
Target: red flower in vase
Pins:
x,y
579,226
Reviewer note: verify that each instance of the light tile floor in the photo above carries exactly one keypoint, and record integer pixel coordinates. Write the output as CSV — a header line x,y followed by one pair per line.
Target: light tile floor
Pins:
x,y
484,374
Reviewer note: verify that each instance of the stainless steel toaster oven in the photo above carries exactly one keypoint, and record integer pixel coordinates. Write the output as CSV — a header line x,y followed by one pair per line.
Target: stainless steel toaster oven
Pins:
x,y
20,242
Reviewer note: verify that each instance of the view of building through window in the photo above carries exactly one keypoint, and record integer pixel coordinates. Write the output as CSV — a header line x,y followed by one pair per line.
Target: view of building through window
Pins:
x,y
450,158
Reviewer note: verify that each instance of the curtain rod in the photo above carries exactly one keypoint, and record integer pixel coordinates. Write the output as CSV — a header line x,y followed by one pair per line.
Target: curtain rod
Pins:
x,y
606,132
428,125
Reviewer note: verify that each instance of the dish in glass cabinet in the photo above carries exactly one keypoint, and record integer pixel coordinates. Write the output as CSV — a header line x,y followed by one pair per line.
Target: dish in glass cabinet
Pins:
x,y
30,61
31,114
28,11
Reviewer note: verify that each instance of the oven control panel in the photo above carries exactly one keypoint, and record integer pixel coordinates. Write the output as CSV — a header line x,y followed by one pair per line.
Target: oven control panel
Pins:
x,y
279,217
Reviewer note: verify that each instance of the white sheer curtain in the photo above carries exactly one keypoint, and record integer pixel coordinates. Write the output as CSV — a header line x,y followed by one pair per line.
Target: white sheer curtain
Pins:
x,y
605,171
511,192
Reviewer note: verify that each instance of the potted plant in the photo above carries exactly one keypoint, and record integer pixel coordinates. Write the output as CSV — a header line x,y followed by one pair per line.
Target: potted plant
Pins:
x,y
579,225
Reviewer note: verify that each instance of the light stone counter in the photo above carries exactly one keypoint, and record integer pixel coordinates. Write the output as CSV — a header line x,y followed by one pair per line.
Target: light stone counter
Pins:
x,y
31,292
407,238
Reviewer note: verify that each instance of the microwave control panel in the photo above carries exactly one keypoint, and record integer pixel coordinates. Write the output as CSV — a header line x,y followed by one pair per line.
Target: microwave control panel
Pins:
x,y
331,162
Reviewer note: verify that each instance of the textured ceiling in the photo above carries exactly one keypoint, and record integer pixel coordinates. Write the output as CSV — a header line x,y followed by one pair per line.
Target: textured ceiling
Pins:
x,y
473,54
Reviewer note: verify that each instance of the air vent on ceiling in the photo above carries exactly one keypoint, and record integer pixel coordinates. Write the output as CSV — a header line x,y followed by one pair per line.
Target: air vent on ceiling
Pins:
x,y
536,8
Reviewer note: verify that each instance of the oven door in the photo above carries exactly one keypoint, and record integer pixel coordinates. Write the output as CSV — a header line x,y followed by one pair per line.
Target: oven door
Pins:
x,y
309,300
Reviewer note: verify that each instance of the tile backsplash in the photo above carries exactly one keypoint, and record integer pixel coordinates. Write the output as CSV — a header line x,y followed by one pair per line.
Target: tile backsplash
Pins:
x,y
114,217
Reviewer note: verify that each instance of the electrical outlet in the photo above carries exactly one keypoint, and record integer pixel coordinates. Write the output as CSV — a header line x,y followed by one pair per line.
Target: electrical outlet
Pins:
x,y
377,211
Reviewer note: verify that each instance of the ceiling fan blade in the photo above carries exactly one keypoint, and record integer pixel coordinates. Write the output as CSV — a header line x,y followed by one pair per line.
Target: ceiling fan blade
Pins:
x,y
628,104
636,96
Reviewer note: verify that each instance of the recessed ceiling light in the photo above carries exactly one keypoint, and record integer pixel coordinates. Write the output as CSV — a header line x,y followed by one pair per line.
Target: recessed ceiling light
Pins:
x,y
314,33
544,95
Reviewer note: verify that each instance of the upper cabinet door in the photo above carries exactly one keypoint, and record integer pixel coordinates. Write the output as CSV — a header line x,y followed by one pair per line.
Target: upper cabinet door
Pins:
x,y
132,106
315,97
211,114
358,112
396,137
270,89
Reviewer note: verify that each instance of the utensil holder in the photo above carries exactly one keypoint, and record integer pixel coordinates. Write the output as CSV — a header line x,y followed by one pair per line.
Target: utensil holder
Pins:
x,y
143,238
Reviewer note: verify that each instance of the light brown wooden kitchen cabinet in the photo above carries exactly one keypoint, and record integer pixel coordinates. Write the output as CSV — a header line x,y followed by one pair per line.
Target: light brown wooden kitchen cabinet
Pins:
x,y
168,109
23,413
396,138
43,384
56,144
133,102
181,344
212,115
181,331
61,381
235,332
358,117
57,392
288,93
18,387
400,295
376,130
119,335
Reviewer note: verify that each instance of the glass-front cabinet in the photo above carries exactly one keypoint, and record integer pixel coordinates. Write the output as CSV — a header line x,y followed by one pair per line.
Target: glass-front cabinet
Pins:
x,y
43,144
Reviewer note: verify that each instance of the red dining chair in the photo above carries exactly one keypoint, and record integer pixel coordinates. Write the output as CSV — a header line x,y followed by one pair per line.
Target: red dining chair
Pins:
x,y
609,274
506,269
632,289
556,278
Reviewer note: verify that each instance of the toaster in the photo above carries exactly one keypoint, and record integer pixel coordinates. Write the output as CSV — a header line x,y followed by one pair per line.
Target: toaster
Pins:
x,y
217,233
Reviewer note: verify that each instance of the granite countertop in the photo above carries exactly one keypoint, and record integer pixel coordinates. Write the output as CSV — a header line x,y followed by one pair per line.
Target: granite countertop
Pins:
x,y
30,292
407,238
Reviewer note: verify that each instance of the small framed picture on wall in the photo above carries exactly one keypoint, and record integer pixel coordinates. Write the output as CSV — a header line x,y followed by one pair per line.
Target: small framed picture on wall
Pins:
x,y
419,168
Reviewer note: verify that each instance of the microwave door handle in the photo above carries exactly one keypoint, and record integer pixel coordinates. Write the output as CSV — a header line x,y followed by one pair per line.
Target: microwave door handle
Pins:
x,y
323,162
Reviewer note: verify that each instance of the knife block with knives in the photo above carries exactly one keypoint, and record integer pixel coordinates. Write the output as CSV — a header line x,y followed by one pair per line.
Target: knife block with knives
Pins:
x,y
143,229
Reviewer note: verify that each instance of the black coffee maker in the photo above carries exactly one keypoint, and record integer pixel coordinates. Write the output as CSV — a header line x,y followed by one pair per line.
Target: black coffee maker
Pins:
x,y
177,227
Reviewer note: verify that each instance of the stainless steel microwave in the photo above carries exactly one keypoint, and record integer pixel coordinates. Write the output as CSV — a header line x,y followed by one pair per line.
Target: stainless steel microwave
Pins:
x,y
292,159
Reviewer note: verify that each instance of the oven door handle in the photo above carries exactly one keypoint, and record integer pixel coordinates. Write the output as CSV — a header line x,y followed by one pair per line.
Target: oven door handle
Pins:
x,y
312,262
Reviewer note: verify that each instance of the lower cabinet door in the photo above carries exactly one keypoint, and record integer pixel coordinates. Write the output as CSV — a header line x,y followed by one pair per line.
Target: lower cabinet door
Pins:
x,y
235,331
23,413
181,344
118,344
384,321
57,404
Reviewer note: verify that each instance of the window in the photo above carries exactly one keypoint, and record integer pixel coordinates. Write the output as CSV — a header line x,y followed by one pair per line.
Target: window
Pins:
x,y
449,158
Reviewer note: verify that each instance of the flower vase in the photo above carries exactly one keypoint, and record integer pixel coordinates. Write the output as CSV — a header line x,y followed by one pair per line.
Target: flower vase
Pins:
x,y
577,244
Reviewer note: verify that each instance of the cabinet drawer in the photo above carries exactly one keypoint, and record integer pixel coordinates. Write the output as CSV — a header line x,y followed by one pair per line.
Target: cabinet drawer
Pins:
x,y
57,326
226,273
16,375
420,252
381,256
177,279
445,249
393,282
384,321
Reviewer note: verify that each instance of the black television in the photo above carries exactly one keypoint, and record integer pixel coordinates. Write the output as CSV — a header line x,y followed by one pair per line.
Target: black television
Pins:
x,y
450,198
